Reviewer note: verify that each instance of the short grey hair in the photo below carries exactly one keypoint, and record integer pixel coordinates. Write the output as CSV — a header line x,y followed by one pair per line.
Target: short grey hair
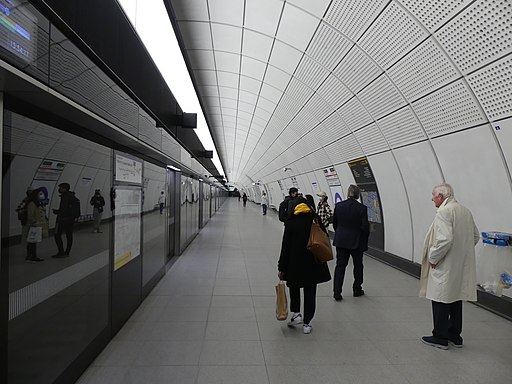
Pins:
x,y
443,189
353,191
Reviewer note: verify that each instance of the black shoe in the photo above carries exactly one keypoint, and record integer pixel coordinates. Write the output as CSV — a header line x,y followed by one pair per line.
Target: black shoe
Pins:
x,y
456,343
358,293
338,297
435,342
33,259
58,256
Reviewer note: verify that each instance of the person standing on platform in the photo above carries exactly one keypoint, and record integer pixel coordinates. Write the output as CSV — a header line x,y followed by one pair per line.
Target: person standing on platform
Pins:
x,y
324,210
244,198
298,266
97,202
283,207
448,268
69,210
21,211
352,229
161,202
264,203
37,220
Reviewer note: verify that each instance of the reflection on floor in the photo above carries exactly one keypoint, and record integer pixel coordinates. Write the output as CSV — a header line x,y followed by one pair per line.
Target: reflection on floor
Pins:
x,y
212,320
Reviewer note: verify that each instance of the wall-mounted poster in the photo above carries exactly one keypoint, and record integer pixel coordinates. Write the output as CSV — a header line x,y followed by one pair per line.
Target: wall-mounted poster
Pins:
x,y
128,170
334,184
128,204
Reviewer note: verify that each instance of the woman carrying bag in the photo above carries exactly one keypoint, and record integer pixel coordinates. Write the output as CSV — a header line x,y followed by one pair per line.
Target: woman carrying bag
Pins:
x,y
37,223
298,266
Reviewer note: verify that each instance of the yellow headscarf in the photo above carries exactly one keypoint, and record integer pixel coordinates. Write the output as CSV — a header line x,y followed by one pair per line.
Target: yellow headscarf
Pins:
x,y
301,208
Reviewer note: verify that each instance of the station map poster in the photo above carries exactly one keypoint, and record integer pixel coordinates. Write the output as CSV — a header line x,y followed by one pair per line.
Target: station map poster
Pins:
x,y
334,184
365,180
128,202
128,170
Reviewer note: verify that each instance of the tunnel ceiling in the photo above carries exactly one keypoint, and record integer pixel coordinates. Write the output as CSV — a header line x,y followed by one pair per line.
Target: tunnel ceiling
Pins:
x,y
306,84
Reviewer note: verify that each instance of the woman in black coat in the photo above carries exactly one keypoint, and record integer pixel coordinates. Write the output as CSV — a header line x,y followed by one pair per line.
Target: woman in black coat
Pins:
x,y
298,266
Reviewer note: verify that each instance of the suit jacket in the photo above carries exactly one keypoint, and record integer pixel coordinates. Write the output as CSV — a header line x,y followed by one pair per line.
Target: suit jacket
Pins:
x,y
351,225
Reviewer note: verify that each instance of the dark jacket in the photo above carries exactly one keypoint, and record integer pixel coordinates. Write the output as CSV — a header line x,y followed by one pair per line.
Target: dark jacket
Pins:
x,y
351,225
299,266
97,201
65,212
283,209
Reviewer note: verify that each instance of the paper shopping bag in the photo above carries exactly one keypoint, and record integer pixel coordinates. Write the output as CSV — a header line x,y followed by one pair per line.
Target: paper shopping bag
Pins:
x,y
281,302
35,235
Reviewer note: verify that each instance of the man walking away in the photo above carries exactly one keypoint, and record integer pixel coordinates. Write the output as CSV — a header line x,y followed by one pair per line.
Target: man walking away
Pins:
x,y
448,268
351,227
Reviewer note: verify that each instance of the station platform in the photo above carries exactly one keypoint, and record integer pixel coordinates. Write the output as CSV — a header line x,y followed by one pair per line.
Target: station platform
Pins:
x,y
211,320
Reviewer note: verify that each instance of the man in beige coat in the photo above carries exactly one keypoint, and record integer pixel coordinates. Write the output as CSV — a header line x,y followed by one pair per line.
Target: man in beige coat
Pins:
x,y
448,271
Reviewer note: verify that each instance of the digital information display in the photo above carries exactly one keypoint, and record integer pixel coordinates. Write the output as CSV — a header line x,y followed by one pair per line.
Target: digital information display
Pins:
x,y
18,30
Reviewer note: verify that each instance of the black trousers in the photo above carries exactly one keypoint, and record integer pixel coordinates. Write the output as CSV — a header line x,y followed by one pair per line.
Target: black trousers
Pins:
x,y
66,228
264,208
342,257
31,251
447,320
309,301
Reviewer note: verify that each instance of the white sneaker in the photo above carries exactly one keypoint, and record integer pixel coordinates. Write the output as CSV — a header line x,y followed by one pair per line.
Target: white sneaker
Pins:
x,y
295,320
307,329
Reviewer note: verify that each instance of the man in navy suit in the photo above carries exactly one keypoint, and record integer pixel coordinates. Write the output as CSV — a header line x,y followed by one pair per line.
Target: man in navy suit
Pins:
x,y
352,229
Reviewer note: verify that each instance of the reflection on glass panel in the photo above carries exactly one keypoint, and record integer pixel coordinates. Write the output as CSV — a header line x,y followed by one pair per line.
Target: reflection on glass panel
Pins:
x,y
184,187
154,220
56,235
76,76
24,37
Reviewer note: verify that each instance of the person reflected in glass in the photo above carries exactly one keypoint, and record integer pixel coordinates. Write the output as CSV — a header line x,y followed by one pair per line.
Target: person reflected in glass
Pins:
x,y
297,265
161,202
21,211
37,222
97,202
69,210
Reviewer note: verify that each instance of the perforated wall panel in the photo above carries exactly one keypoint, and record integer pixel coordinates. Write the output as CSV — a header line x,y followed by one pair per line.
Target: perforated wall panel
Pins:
x,y
352,17
299,91
434,13
354,114
328,46
480,34
392,35
334,92
318,107
401,128
493,88
356,70
335,127
381,97
449,109
423,70
310,72
371,139
350,148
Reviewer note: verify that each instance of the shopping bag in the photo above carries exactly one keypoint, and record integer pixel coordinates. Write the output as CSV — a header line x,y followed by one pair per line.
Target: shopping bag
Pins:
x,y
281,302
35,235
319,243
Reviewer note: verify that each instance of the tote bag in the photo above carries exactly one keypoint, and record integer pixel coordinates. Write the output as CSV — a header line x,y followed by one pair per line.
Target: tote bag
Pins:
x,y
319,243
35,235
281,302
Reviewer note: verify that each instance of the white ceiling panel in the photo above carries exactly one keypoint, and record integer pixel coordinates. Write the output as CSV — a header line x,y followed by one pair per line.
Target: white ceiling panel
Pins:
x,y
263,15
271,93
257,45
392,35
285,57
316,8
191,10
250,85
296,27
205,77
196,34
208,90
311,73
228,93
434,13
227,62
227,12
334,92
357,70
277,78
352,17
228,79
244,104
354,114
211,101
423,70
381,97
371,139
201,59
401,128
253,68
227,38
266,104
228,103
328,46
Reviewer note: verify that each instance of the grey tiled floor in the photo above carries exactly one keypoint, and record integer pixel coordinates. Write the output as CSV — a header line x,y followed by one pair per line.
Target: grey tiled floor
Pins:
x,y
212,320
